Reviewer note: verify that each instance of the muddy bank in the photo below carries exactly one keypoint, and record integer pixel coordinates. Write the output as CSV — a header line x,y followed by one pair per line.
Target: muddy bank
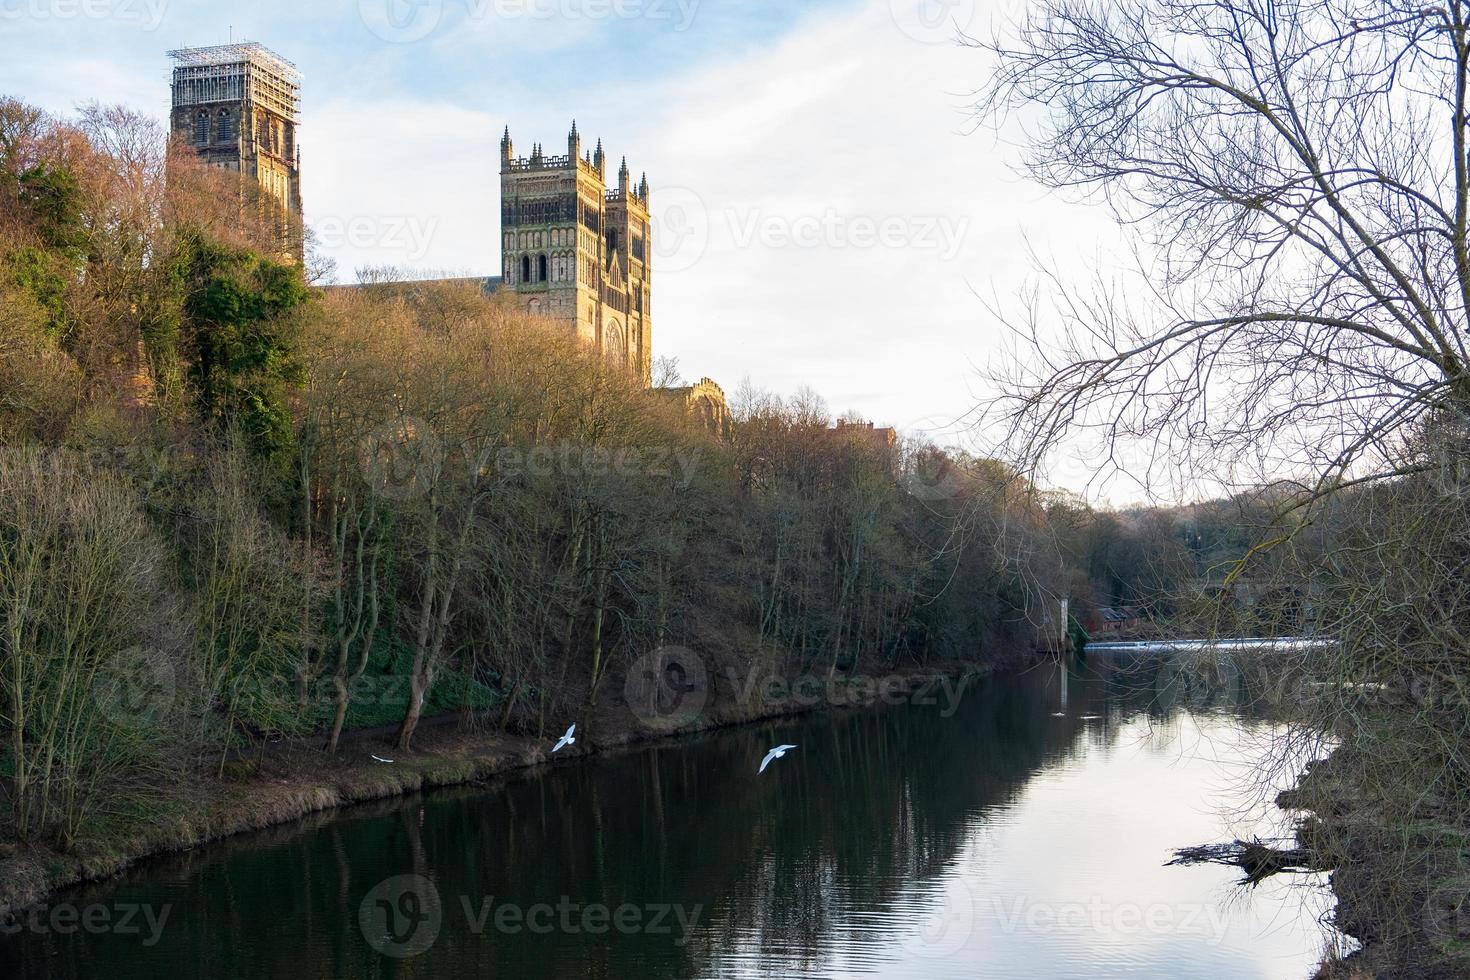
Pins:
x,y
1402,890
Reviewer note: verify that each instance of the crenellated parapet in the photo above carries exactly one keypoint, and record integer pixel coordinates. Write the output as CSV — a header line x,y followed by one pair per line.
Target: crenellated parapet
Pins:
x,y
578,249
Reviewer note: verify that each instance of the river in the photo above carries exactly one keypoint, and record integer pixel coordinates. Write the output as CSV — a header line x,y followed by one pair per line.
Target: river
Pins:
x,y
1020,830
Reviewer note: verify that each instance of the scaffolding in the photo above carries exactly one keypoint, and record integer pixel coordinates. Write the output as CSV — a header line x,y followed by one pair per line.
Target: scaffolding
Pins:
x,y
244,72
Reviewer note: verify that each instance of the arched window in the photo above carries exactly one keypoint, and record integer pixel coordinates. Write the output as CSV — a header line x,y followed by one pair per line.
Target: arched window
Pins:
x,y
201,129
525,268
541,269
226,126
614,347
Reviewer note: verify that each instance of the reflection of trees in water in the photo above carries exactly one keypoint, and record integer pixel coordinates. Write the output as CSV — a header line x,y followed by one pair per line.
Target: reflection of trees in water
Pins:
x,y
871,805
1250,685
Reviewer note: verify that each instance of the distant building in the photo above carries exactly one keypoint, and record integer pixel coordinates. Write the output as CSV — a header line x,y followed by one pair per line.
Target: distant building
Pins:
x,y
1283,605
1117,619
578,252
705,402
238,106
880,441
885,439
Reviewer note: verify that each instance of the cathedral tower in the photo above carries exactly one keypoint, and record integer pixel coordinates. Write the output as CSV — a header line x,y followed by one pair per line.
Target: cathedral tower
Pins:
x,y
577,252
238,106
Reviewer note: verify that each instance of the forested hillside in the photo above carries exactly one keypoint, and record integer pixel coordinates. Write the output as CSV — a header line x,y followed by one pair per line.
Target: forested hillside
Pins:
x,y
235,507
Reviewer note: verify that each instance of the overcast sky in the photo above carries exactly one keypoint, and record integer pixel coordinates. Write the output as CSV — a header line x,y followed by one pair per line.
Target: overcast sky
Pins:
x,y
825,210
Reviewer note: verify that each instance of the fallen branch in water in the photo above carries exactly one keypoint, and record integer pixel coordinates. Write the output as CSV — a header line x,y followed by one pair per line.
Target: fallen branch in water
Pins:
x,y
1258,859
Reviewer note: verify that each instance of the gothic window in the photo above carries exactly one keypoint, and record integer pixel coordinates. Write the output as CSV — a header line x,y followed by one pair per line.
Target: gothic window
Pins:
x,y
201,129
591,217
638,247
226,126
613,344
525,268
541,268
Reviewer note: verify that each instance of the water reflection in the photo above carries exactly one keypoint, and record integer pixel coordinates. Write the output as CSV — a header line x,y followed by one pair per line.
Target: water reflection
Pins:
x,y
1024,835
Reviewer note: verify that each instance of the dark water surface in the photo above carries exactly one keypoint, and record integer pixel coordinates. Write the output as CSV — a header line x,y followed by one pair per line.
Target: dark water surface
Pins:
x,y
1022,834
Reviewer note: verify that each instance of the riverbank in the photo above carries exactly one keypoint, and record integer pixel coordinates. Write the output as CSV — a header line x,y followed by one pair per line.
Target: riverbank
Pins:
x,y
1402,891
296,779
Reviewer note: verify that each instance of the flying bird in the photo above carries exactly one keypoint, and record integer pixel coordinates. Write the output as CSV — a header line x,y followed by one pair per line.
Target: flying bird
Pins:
x,y
386,762
568,739
775,754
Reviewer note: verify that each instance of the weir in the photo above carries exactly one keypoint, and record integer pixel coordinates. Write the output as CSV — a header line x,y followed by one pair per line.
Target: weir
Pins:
x,y
1294,644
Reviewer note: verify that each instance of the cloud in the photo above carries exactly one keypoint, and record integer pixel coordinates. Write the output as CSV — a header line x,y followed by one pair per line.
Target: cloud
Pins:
x,y
847,125
404,183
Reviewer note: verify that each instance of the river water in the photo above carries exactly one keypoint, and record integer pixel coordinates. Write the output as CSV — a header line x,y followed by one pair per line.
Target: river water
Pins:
x,y
1019,830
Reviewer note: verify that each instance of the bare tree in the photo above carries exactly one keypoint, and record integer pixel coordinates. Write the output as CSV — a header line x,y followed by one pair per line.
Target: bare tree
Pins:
x,y
1295,179
1296,175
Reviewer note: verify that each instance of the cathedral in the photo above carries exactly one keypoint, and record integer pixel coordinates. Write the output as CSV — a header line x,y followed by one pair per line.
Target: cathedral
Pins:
x,y
237,105
576,251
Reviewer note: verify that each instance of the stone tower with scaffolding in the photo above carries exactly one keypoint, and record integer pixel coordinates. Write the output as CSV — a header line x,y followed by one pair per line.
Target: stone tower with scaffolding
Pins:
x,y
577,251
238,106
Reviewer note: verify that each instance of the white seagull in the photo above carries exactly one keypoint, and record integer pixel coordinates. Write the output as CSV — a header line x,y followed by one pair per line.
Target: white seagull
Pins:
x,y
568,739
386,762
775,754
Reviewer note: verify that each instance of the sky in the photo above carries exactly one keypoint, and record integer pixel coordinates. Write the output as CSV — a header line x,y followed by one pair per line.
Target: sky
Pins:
x,y
827,210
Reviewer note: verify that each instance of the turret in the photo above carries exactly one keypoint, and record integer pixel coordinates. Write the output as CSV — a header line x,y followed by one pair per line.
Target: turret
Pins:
x,y
574,143
643,189
624,178
599,160
507,151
